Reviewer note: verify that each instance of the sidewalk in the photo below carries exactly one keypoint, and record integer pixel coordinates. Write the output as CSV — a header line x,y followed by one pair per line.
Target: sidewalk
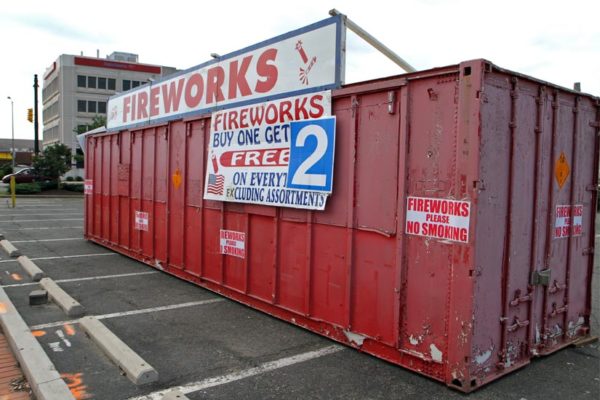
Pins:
x,y
13,385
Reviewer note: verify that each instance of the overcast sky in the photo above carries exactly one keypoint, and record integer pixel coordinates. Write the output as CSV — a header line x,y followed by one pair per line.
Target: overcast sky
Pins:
x,y
558,41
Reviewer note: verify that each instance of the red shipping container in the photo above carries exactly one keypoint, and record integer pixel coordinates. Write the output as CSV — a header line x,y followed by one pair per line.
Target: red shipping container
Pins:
x,y
457,242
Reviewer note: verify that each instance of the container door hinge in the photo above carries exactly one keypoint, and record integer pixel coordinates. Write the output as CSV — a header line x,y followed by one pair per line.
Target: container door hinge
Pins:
x,y
594,187
541,277
355,104
588,251
391,102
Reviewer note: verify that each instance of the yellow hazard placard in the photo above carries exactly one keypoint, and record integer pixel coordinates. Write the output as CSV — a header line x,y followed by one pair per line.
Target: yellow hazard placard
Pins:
x,y
561,170
176,178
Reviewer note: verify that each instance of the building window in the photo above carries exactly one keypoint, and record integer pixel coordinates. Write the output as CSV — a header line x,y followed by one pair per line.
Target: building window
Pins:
x,y
112,84
50,134
91,82
135,83
91,106
81,81
50,89
50,112
101,83
126,84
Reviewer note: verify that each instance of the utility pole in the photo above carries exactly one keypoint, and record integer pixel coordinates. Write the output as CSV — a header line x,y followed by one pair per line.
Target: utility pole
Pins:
x,y
36,147
12,113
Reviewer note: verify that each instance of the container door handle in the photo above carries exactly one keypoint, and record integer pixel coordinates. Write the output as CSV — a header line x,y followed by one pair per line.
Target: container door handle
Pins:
x,y
517,323
555,287
558,310
520,299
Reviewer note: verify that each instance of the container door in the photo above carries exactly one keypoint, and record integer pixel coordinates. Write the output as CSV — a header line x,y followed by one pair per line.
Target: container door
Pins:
x,y
563,313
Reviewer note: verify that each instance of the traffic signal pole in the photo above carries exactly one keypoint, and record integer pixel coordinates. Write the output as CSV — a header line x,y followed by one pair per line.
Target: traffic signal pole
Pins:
x,y
36,147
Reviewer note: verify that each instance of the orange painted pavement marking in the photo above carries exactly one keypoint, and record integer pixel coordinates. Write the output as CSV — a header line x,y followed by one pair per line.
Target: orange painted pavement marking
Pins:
x,y
69,329
76,385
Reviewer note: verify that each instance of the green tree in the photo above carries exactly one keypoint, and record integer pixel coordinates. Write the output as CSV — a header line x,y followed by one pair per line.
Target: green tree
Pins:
x,y
97,121
54,161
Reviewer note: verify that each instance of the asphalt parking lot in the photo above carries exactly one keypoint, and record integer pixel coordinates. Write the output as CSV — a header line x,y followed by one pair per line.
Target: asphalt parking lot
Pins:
x,y
214,346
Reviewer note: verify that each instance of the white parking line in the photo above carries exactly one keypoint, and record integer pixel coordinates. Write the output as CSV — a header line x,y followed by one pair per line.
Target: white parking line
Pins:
x,y
133,312
44,211
39,207
247,373
37,215
89,278
45,240
41,228
73,256
42,220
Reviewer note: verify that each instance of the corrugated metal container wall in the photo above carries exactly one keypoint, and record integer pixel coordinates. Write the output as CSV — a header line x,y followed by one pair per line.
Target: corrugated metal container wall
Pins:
x,y
523,154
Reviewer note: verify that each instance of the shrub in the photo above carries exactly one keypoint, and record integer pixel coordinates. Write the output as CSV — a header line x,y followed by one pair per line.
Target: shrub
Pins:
x,y
6,169
70,179
26,188
74,188
49,185
79,179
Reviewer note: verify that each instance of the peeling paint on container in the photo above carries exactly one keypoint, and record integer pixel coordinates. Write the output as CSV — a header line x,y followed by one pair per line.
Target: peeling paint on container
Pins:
x,y
414,341
484,356
355,338
436,354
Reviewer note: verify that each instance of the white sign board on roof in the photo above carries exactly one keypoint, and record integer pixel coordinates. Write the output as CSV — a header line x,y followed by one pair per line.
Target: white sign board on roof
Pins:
x,y
302,61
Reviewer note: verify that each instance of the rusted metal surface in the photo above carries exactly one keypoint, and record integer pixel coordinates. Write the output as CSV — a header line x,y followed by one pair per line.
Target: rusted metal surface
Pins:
x,y
509,156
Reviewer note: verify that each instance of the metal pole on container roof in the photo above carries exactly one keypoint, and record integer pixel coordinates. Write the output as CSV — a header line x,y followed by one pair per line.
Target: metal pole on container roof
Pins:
x,y
367,37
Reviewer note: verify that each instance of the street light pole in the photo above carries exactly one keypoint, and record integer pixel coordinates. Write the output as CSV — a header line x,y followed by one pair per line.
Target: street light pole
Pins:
x,y
12,112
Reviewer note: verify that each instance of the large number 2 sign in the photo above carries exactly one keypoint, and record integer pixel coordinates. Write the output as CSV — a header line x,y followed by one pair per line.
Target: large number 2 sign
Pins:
x,y
312,145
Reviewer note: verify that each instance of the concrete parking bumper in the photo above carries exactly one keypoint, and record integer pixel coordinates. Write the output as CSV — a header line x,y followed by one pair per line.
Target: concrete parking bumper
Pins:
x,y
136,369
68,304
10,249
29,266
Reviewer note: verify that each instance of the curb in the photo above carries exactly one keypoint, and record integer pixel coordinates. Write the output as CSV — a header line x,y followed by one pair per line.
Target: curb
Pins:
x,y
10,249
43,378
137,370
68,304
29,266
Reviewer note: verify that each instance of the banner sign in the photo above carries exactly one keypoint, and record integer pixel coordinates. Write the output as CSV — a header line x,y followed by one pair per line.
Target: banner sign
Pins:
x,y
302,61
278,153
444,219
